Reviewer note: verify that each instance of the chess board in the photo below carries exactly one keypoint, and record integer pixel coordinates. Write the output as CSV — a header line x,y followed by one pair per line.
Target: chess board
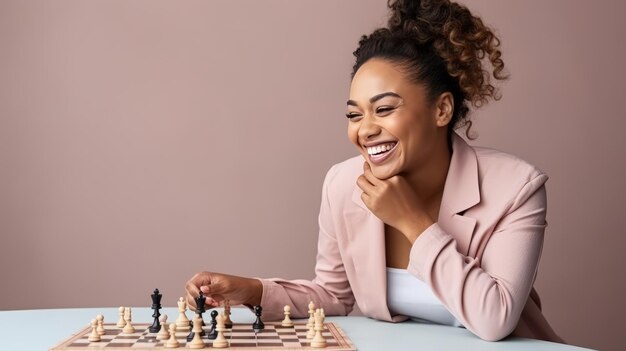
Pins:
x,y
240,337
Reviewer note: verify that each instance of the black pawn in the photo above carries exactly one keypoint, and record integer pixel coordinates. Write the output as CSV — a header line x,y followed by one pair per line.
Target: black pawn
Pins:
x,y
213,331
156,306
191,333
258,325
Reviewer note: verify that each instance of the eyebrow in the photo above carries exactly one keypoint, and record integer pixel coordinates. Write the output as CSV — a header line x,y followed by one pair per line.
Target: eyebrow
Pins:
x,y
375,98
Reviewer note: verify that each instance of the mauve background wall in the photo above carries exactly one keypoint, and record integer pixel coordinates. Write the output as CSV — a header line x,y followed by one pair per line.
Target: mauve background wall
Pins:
x,y
142,141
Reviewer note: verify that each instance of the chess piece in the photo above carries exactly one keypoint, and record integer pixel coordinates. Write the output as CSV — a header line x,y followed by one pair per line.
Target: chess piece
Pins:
x,y
156,306
182,322
163,333
100,320
172,342
196,342
191,332
213,332
228,323
311,323
121,322
200,309
258,325
94,336
287,321
128,328
318,340
220,341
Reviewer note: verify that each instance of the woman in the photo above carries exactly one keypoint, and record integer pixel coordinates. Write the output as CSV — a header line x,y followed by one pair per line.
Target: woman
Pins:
x,y
427,227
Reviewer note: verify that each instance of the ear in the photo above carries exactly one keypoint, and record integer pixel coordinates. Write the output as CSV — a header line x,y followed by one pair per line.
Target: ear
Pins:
x,y
444,108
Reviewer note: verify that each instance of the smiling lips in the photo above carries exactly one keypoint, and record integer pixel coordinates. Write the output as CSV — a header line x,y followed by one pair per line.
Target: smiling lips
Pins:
x,y
379,153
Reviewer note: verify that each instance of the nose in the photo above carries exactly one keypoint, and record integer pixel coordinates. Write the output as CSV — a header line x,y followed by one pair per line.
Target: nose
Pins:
x,y
368,128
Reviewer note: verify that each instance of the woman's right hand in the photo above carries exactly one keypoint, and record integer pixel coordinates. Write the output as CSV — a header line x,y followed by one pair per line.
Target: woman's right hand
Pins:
x,y
218,287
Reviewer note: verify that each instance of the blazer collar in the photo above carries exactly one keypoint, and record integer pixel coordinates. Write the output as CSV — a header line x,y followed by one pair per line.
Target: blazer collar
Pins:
x,y
461,190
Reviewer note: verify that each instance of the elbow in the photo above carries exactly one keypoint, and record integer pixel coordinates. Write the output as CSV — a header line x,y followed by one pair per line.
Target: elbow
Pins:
x,y
492,332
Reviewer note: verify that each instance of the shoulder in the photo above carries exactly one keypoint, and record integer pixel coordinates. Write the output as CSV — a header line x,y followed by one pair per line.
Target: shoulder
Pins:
x,y
496,163
345,172
340,179
506,175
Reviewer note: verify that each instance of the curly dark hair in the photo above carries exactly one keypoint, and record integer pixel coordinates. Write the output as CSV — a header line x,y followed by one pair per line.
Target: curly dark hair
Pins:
x,y
441,45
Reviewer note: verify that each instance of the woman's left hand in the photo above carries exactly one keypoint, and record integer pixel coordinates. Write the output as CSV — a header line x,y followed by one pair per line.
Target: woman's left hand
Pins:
x,y
394,202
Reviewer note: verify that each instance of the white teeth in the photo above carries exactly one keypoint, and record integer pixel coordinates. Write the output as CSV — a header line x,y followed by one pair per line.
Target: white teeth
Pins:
x,y
379,148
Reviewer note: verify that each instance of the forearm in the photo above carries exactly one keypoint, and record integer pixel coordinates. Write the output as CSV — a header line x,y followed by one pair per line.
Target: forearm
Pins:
x,y
489,303
298,293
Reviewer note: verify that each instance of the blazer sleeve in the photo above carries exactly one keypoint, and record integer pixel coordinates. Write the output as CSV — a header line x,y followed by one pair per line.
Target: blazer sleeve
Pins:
x,y
487,298
329,289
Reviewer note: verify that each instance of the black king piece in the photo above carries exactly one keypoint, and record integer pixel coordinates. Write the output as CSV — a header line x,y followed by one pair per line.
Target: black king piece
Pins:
x,y
156,306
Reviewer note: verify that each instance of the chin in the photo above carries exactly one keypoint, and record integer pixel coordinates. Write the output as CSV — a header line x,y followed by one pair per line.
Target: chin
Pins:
x,y
382,172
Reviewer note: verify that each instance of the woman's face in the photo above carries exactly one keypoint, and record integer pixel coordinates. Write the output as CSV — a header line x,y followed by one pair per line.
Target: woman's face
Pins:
x,y
390,120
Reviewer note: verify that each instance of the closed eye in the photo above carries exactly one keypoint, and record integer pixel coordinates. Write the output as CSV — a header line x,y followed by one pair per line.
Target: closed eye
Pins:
x,y
384,109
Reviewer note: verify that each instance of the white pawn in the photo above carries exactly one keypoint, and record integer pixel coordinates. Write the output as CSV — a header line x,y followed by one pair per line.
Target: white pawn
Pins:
x,y
128,328
94,336
182,322
172,342
220,341
318,340
311,323
287,321
163,333
196,342
100,320
121,322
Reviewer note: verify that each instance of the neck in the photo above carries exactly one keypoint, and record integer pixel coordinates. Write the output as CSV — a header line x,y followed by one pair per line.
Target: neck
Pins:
x,y
428,181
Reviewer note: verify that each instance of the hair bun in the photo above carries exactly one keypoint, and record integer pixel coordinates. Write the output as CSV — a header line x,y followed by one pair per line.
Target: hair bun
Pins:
x,y
404,13
415,17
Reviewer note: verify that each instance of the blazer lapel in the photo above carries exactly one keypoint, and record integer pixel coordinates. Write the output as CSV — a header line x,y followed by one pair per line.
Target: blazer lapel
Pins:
x,y
366,234
461,192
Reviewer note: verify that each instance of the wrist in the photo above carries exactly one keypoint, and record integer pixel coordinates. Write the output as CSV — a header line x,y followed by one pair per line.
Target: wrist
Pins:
x,y
255,289
412,230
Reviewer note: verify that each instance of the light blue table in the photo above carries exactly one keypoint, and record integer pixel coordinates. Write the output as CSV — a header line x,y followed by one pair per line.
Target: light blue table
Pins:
x,y
42,329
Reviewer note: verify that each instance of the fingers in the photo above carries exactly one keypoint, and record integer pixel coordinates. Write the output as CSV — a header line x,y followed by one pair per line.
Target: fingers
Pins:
x,y
363,183
211,299
212,302
367,181
367,173
193,287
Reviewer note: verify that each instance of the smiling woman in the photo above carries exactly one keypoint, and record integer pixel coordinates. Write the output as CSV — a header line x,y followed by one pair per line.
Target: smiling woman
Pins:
x,y
420,225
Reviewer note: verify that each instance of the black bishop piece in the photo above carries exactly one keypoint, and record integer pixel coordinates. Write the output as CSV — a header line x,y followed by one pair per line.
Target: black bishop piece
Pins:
x,y
156,306
258,325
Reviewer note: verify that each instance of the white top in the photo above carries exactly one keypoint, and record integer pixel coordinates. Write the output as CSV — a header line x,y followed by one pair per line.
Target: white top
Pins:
x,y
411,297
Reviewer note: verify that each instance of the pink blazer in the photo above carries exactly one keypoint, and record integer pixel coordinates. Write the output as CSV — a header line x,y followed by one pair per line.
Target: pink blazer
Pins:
x,y
480,258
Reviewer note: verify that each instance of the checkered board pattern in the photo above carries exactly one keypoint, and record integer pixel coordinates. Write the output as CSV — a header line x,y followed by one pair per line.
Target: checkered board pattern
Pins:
x,y
240,337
